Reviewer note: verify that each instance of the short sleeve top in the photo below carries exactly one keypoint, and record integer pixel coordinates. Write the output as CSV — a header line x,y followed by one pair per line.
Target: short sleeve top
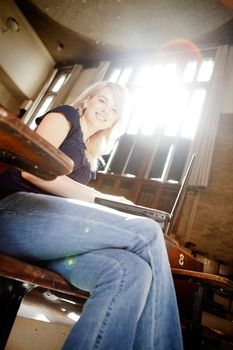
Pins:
x,y
73,146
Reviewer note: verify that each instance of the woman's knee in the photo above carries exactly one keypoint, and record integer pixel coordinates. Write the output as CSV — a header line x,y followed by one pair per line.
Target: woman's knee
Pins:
x,y
146,232
106,268
117,267
126,275
118,263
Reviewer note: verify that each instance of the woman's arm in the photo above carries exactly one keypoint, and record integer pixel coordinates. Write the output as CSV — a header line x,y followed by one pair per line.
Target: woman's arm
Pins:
x,y
54,128
65,187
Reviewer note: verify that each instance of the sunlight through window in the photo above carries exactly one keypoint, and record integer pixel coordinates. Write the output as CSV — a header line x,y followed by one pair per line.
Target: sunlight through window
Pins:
x,y
206,70
168,160
123,80
143,77
166,100
189,72
59,83
162,103
42,110
192,117
136,117
176,111
115,75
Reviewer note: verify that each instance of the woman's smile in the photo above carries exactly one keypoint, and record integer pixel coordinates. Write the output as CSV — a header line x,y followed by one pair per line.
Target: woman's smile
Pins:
x,y
100,116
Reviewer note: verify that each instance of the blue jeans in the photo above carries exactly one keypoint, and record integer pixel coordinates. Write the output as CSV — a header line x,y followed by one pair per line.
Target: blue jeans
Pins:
x,y
120,259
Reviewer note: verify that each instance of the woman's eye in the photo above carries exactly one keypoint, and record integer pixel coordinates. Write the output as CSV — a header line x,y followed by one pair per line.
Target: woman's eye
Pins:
x,y
102,100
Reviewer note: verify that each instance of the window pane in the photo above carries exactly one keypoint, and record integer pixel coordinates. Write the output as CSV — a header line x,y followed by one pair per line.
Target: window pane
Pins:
x,y
121,155
167,104
160,158
134,124
142,76
178,160
157,74
138,155
151,122
43,109
135,118
105,161
170,73
194,111
123,80
176,111
189,72
149,111
146,114
206,70
59,82
114,75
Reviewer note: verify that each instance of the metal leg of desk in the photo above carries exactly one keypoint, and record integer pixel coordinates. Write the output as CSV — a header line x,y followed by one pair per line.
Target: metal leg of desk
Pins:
x,y
194,333
11,295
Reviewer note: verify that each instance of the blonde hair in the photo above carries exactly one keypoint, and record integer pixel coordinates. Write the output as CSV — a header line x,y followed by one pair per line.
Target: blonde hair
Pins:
x,y
102,141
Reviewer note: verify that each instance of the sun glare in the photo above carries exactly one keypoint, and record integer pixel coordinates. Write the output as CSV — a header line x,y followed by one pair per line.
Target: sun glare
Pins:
x,y
164,102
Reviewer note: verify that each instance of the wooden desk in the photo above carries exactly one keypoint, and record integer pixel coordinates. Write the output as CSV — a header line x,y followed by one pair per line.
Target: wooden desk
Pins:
x,y
23,148
217,282
202,282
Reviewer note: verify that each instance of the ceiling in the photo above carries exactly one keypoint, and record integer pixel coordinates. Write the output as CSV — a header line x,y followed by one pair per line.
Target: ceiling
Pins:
x,y
88,30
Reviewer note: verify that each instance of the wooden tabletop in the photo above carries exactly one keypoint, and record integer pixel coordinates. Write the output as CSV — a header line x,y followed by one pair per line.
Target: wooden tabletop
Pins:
x,y
215,281
23,148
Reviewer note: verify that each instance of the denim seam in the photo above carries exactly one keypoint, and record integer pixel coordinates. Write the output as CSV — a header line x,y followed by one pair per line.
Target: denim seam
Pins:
x,y
10,200
108,311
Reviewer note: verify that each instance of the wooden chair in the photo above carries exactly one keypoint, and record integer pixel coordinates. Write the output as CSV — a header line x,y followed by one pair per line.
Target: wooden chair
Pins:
x,y
202,282
17,278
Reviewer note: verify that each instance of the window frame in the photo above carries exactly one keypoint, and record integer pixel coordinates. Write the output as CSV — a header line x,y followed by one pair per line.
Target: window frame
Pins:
x,y
146,165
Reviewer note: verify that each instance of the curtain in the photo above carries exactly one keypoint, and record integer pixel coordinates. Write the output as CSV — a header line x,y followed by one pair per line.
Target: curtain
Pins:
x,y
204,142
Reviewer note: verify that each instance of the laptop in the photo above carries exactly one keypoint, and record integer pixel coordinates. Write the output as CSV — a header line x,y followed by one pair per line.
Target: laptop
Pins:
x,y
165,219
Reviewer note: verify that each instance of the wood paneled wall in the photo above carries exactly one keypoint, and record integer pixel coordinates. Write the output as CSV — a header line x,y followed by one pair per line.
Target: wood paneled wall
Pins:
x,y
149,193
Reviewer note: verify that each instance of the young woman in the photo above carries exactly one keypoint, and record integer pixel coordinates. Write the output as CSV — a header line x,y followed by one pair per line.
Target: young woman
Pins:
x,y
120,259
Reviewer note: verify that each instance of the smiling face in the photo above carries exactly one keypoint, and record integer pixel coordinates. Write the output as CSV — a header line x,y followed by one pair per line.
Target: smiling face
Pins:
x,y
101,110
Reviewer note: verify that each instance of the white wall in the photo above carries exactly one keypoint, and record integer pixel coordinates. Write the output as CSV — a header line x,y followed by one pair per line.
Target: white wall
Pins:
x,y
7,100
23,57
86,78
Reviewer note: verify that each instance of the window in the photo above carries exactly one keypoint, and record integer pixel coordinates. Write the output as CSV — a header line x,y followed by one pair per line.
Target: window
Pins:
x,y
52,92
166,104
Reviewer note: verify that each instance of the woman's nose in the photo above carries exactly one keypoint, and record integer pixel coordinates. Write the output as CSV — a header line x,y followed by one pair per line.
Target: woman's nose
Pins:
x,y
105,109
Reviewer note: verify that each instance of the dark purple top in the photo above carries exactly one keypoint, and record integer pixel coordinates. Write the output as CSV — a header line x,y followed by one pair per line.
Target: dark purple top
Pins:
x,y
73,146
